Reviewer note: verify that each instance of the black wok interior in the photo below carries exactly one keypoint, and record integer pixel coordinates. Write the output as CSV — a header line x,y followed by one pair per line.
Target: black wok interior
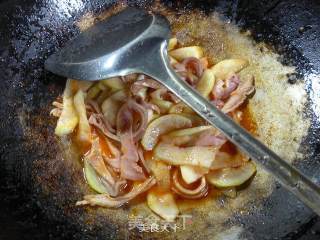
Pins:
x,y
32,29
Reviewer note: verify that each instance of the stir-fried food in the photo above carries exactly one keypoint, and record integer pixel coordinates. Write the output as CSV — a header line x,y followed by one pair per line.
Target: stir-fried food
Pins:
x,y
137,137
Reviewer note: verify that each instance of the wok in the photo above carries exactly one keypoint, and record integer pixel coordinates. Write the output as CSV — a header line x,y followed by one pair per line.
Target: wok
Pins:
x,y
39,183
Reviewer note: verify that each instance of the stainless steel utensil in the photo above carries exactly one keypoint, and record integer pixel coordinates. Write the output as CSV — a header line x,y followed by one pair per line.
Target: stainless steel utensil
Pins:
x,y
134,41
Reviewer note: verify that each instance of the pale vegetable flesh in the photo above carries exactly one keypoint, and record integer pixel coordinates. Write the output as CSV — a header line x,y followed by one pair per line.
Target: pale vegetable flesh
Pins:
x,y
84,129
112,104
194,156
186,52
161,126
163,204
68,119
222,69
231,177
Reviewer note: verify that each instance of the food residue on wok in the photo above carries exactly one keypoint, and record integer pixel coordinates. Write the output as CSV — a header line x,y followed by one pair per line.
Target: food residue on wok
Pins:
x,y
137,137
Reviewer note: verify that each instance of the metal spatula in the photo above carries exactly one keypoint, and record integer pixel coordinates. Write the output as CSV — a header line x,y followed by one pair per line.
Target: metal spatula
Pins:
x,y
134,41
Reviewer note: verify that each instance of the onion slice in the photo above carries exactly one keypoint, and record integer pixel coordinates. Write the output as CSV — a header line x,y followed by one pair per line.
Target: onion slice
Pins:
x,y
126,122
99,122
191,174
198,192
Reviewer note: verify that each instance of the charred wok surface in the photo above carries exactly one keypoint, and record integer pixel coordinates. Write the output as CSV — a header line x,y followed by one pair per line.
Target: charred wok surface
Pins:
x,y
37,190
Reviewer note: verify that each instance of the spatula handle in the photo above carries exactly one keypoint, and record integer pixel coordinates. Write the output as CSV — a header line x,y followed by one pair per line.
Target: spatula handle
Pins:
x,y
291,178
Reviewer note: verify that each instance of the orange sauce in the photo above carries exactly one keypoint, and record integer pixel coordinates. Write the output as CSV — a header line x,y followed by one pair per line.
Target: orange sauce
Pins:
x,y
248,123
247,120
84,148
103,144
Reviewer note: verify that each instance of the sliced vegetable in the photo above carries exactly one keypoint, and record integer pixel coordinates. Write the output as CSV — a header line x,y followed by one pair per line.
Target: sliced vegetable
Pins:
x,y
74,85
172,43
112,104
188,131
103,96
225,160
180,107
164,96
161,171
115,83
93,91
177,141
184,136
231,177
195,156
163,204
68,119
186,52
152,116
225,67
172,60
206,83
204,61
84,130
191,174
84,85
163,105
93,179
195,119
163,125
158,94
101,86
142,93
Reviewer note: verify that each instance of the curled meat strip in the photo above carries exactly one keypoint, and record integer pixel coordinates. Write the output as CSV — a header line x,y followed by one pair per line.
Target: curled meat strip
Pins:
x,y
129,132
245,88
